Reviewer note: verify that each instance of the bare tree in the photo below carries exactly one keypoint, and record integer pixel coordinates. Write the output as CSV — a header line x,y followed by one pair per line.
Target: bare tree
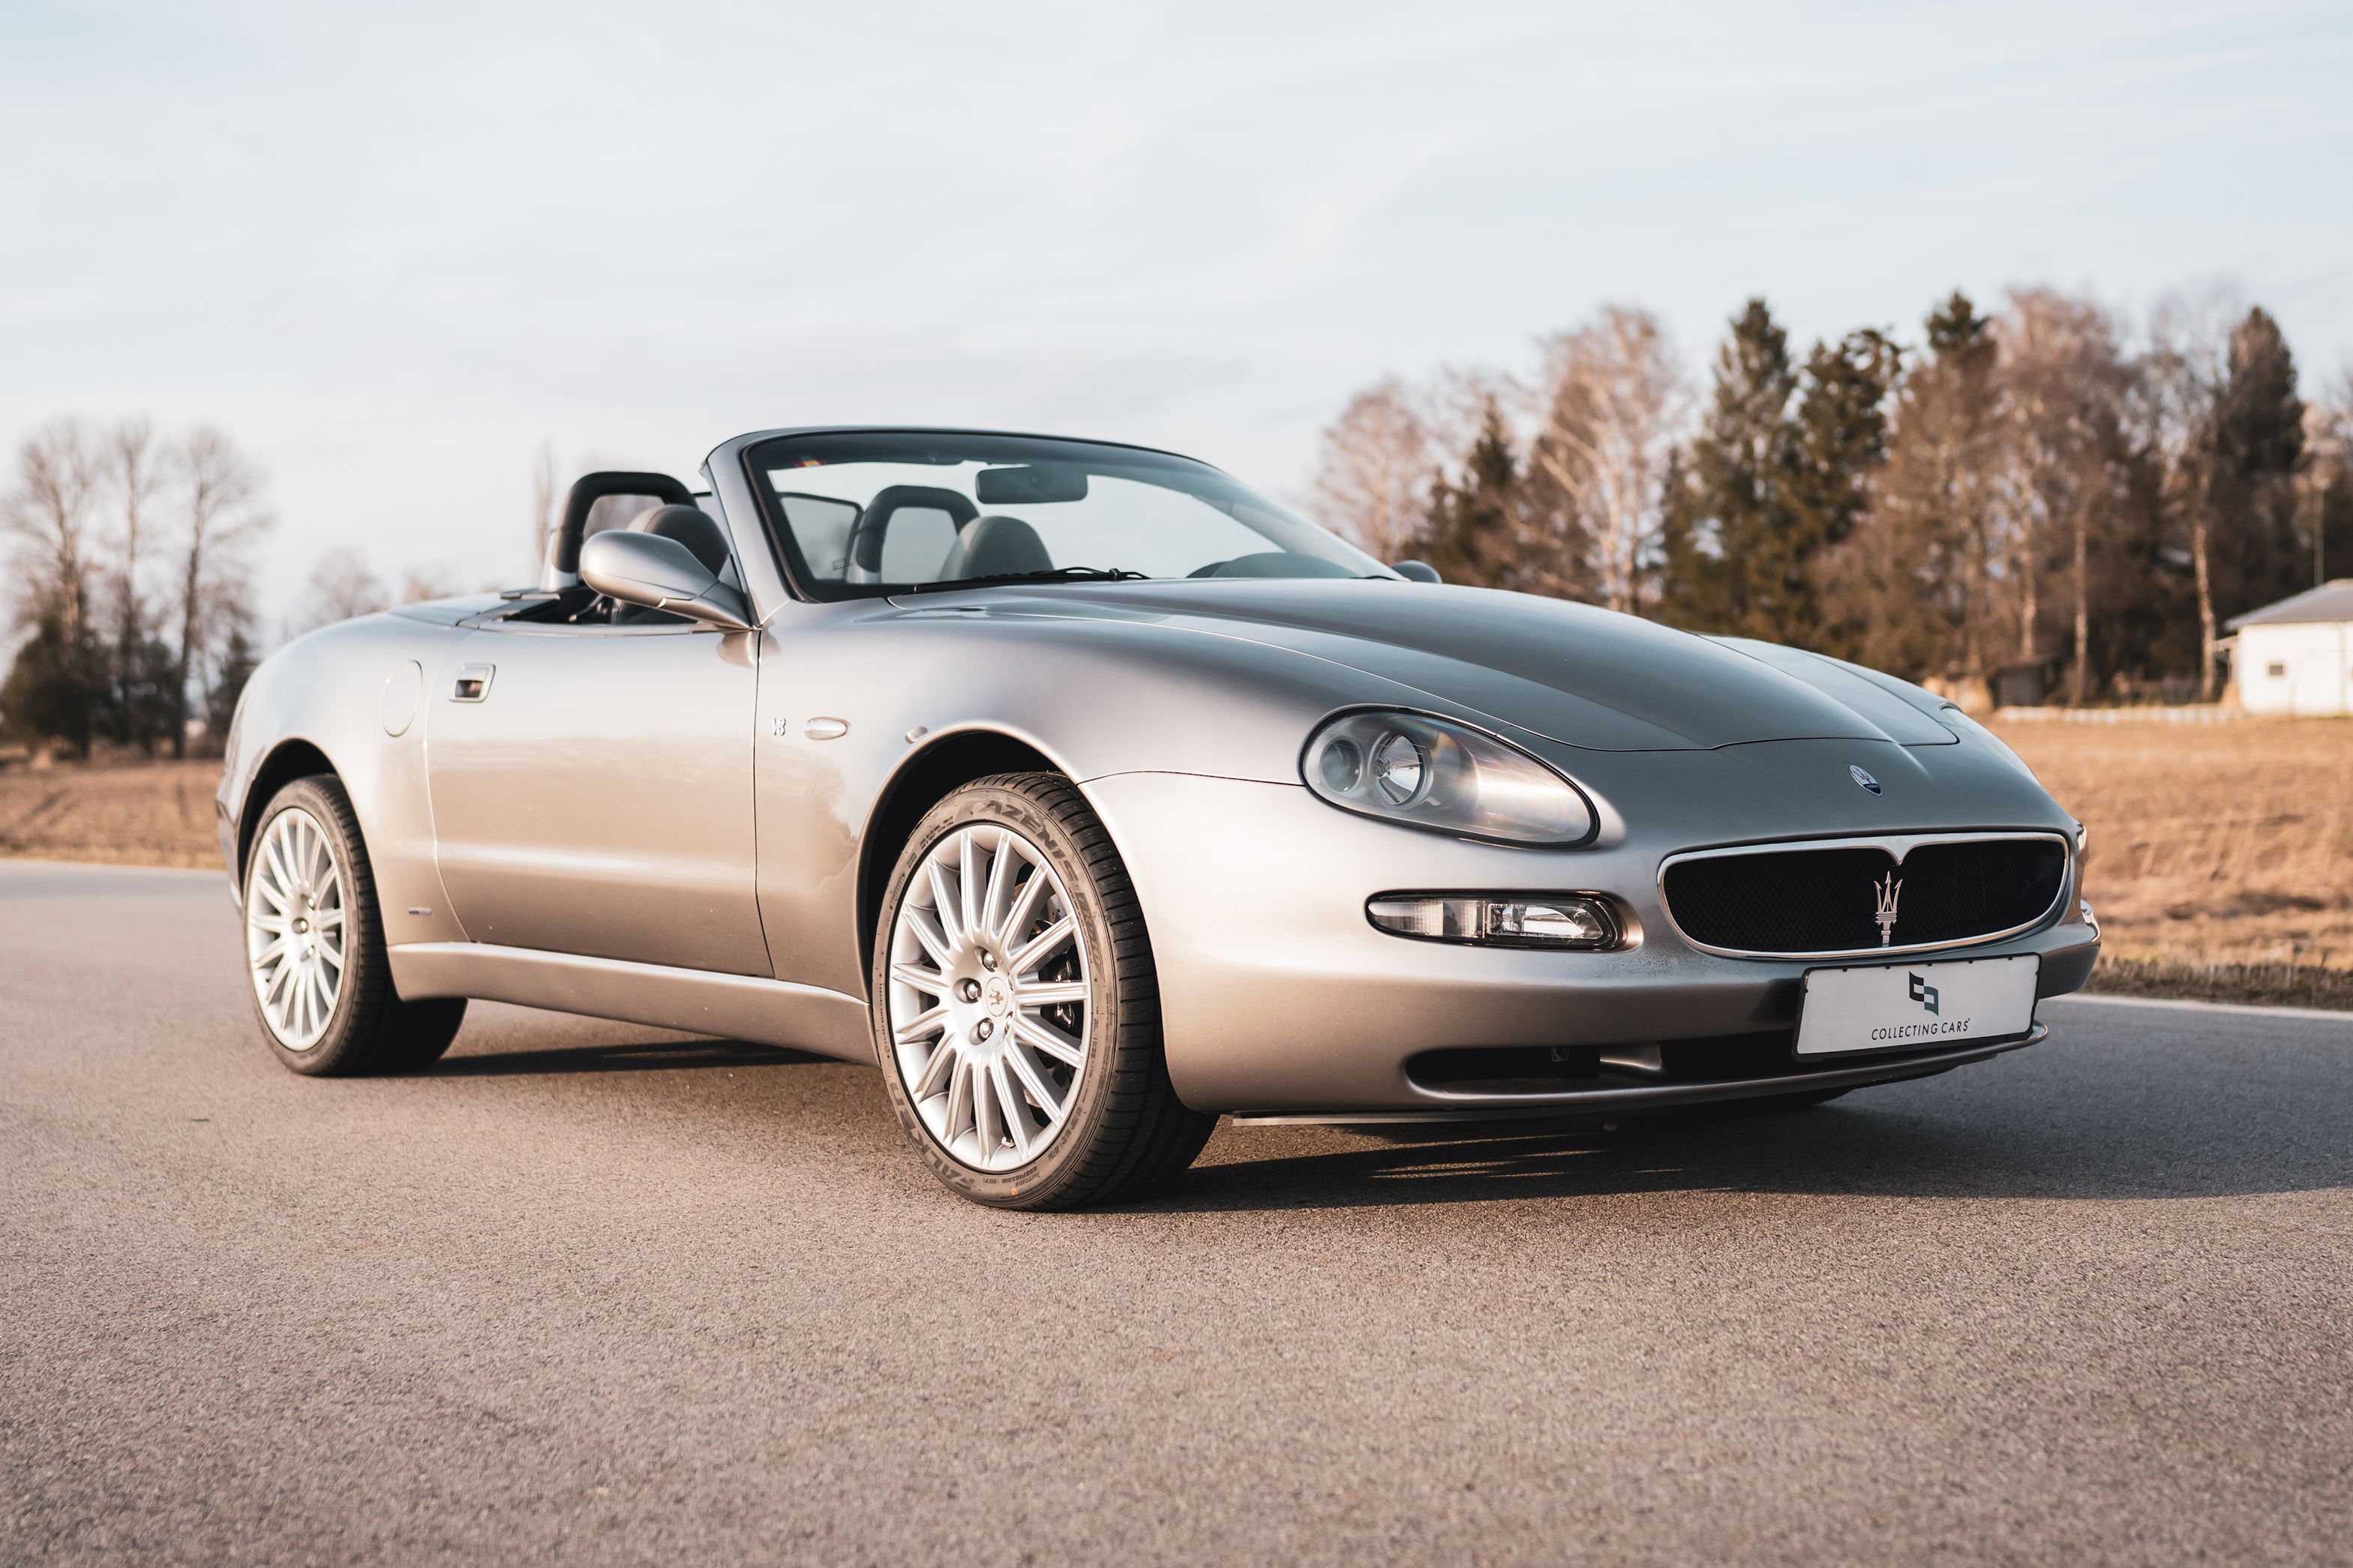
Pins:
x,y
1614,405
2328,464
47,698
1373,479
2188,362
419,583
57,476
342,586
546,500
220,494
2061,468
134,468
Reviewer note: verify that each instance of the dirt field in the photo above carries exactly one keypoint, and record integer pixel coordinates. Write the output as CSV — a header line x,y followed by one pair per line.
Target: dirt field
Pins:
x,y
136,813
2222,859
2211,844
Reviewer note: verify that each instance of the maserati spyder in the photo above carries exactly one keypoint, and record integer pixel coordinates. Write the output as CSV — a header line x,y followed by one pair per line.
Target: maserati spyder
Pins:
x,y
1091,795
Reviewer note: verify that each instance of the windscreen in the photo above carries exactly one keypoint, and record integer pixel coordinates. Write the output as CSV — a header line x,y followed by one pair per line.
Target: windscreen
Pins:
x,y
872,513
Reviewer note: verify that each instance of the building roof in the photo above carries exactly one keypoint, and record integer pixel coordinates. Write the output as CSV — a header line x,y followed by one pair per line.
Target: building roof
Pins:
x,y
2332,601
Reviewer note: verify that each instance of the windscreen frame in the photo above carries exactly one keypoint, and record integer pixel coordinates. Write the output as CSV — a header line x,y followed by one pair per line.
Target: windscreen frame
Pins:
x,y
929,445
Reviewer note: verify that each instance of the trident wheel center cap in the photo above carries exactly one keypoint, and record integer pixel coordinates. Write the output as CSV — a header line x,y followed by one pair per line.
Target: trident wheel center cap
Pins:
x,y
996,997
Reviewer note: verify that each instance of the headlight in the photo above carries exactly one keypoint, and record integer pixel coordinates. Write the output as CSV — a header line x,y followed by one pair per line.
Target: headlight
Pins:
x,y
1448,777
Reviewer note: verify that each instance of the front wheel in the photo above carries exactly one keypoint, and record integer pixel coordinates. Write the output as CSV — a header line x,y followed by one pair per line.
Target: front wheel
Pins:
x,y
1016,1012
314,945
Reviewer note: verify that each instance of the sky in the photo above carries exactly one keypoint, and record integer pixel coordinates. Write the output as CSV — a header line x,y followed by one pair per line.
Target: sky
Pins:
x,y
393,250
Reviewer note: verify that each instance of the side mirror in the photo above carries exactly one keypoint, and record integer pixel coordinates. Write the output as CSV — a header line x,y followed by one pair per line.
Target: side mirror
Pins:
x,y
661,574
1416,571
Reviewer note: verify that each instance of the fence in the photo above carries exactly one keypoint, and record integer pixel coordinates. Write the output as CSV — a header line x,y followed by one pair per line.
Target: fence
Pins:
x,y
2193,713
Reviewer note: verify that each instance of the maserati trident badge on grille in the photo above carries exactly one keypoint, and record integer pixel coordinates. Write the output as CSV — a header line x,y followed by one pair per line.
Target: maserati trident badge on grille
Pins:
x,y
1887,889
1864,779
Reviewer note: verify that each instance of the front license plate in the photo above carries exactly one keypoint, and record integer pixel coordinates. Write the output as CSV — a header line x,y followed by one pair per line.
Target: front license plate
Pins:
x,y
1916,1007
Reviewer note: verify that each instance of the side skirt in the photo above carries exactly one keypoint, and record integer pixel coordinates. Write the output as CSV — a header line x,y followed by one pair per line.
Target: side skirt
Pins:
x,y
693,1000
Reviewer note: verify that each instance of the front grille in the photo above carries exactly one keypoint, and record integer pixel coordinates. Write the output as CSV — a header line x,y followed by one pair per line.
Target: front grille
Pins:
x,y
1825,900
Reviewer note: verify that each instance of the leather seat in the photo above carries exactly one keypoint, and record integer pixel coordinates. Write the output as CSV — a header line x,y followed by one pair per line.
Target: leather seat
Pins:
x,y
705,540
990,546
866,541
692,527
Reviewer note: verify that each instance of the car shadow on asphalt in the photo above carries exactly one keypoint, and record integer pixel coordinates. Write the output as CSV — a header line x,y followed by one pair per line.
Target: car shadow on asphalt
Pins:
x,y
2213,1130
1829,1151
660,1056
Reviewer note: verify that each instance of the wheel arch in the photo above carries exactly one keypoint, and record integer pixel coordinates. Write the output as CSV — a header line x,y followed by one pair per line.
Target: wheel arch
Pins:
x,y
288,760
922,781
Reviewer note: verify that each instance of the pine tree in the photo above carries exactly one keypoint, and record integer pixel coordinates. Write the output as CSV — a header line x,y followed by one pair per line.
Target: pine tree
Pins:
x,y
1468,534
2258,557
1735,563
50,694
1842,442
1935,515
1842,432
238,663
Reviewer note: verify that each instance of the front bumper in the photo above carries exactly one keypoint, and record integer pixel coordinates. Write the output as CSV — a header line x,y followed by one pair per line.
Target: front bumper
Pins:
x,y
1277,995
1628,1097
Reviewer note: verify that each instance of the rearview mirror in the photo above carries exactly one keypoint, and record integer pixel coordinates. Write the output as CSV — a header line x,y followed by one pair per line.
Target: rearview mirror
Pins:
x,y
661,574
1030,483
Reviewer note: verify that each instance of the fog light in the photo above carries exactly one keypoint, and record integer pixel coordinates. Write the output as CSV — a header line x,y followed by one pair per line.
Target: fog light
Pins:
x,y
1497,920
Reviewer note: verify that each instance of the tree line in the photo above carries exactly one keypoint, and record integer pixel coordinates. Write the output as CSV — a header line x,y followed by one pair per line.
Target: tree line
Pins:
x,y
2023,501
135,579
132,573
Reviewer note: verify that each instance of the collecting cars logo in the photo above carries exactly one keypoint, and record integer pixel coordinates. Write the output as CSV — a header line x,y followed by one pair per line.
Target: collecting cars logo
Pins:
x,y
1926,994
1923,993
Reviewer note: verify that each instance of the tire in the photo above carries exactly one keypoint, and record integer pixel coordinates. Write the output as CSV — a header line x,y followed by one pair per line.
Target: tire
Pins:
x,y
1025,1066
320,984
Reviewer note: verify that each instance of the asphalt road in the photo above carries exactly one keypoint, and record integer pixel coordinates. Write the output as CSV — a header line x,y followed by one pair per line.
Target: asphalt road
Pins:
x,y
595,1293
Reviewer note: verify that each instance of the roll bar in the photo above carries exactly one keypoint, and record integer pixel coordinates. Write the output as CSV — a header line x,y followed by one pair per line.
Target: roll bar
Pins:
x,y
563,569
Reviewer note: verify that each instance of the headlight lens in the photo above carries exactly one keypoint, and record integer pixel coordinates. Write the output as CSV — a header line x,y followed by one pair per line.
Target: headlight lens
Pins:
x,y
1448,777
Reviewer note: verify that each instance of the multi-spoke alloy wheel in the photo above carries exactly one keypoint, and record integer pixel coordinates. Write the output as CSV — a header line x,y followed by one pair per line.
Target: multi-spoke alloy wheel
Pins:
x,y
988,997
314,944
297,933
1017,1011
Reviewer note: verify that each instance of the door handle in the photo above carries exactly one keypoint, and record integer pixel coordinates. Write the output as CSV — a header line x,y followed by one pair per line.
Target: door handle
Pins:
x,y
473,683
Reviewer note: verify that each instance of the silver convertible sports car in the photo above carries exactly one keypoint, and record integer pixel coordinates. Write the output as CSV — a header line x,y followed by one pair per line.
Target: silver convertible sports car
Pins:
x,y
1091,795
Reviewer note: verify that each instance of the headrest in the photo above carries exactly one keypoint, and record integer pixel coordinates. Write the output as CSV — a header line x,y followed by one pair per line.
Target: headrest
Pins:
x,y
991,546
691,526
888,503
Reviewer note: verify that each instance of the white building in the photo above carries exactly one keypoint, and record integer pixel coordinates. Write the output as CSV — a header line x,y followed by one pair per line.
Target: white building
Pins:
x,y
2297,657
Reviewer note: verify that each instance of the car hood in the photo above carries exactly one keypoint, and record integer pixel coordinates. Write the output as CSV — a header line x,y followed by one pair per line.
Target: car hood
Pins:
x,y
1572,673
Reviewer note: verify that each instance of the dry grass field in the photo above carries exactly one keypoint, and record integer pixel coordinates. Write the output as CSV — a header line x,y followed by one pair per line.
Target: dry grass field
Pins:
x,y
133,813
2222,859
2222,842
2222,855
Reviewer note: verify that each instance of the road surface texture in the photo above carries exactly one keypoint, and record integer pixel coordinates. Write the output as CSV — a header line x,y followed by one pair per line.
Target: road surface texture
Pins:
x,y
592,1293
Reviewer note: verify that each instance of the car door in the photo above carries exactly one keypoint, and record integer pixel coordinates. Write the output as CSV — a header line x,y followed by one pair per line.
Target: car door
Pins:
x,y
592,791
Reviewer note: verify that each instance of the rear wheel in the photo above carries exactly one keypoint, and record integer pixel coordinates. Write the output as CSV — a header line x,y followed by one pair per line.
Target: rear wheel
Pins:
x,y
314,945
1016,1012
